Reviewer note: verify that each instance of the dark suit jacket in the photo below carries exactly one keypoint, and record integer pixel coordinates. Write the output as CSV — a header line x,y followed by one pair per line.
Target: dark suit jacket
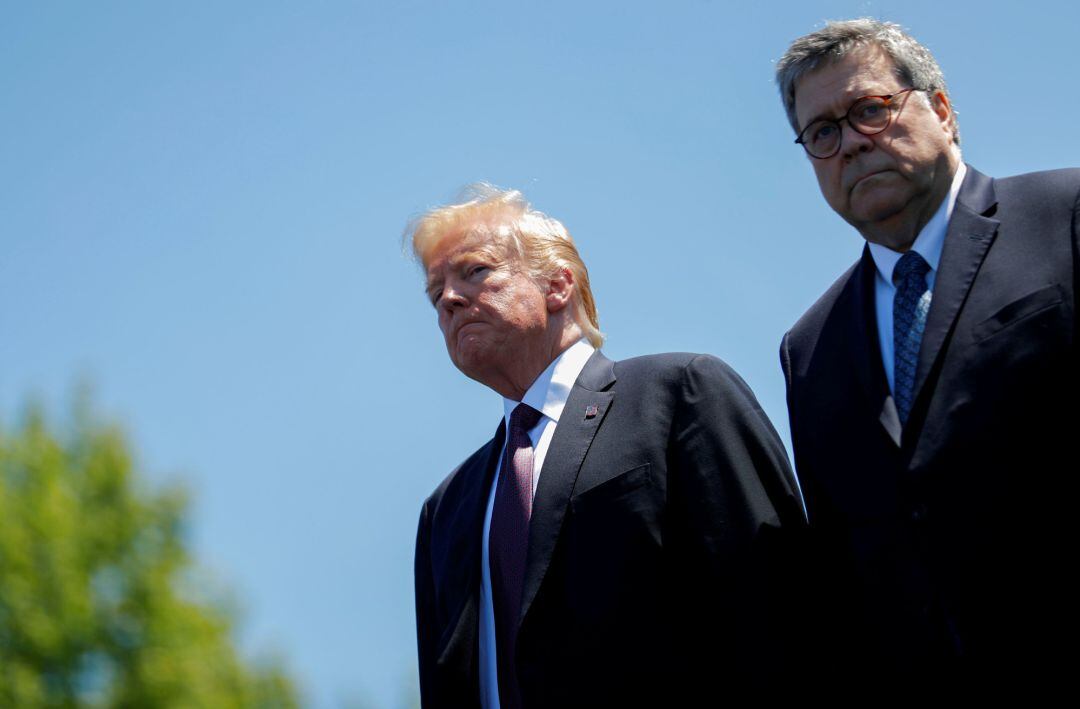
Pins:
x,y
948,547
653,545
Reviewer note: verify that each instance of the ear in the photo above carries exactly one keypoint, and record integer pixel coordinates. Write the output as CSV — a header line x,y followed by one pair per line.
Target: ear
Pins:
x,y
939,102
560,290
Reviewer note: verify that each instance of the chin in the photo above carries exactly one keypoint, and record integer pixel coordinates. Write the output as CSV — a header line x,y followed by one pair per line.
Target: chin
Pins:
x,y
881,209
893,229
466,366
470,359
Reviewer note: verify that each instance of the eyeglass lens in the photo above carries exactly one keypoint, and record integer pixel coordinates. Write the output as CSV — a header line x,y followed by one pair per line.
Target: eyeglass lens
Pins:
x,y
869,115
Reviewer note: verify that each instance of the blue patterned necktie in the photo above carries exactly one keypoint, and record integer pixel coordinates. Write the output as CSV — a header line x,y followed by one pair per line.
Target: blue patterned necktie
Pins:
x,y
910,308
508,541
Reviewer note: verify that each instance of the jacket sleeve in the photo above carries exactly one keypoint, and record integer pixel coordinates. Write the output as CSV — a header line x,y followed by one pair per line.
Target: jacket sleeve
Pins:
x,y
730,462
426,635
737,517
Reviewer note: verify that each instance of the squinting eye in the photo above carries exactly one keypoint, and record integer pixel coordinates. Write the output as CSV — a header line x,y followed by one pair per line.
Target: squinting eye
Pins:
x,y
435,297
869,111
823,132
475,270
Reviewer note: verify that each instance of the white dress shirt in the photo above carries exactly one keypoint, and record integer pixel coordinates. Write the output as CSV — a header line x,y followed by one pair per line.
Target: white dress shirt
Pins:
x,y
928,244
547,395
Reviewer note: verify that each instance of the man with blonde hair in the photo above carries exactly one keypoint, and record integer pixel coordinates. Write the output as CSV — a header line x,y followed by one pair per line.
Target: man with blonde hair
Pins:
x,y
618,541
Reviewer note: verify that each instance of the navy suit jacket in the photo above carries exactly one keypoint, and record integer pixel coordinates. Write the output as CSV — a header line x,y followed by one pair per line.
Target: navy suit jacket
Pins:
x,y
655,546
944,550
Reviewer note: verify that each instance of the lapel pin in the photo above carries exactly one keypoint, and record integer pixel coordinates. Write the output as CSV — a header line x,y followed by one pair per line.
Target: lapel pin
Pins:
x,y
591,411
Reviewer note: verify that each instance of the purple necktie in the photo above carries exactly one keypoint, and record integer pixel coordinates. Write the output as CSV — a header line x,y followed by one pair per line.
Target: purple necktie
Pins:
x,y
507,543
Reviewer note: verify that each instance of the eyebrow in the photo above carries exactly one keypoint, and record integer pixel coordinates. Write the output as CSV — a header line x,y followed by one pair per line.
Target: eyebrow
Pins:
x,y
431,281
826,117
856,97
815,119
483,253
432,284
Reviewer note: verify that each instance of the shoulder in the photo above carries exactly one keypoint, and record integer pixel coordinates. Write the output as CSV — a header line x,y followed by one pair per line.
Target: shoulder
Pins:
x,y
1067,180
668,366
690,373
1056,191
665,365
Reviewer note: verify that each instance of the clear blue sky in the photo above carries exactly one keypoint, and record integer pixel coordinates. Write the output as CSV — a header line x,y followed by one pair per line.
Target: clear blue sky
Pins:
x,y
201,206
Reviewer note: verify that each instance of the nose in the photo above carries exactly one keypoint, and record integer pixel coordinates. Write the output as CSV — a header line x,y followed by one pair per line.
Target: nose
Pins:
x,y
452,297
852,141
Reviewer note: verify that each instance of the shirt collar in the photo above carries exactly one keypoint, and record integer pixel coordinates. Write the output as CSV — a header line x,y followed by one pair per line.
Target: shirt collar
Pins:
x,y
548,394
930,240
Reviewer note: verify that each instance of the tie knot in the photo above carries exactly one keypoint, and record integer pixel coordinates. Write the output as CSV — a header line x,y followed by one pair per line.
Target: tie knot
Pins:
x,y
910,265
523,418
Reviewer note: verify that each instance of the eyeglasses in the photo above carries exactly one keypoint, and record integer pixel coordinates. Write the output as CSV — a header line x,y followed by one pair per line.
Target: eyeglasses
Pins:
x,y
869,115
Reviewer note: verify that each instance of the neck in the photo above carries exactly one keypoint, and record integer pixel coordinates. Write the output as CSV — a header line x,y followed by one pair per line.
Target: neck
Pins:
x,y
514,384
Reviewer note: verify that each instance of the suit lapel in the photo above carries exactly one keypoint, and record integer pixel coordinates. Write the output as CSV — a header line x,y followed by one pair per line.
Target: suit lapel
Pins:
x,y
458,647
967,240
573,436
868,366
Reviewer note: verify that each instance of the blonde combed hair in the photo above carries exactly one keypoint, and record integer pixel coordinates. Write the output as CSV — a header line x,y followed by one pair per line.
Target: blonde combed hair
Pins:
x,y
541,243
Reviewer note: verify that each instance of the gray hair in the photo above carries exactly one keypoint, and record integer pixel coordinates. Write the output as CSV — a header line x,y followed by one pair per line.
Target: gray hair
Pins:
x,y
915,65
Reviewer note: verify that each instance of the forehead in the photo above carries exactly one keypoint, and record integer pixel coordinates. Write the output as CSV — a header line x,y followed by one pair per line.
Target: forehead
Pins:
x,y
828,90
459,245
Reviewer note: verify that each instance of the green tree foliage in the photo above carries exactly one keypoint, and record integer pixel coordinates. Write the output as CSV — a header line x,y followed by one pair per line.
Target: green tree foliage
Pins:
x,y
100,605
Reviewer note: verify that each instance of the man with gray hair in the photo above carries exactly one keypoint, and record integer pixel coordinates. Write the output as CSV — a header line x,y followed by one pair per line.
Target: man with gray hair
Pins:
x,y
616,542
933,388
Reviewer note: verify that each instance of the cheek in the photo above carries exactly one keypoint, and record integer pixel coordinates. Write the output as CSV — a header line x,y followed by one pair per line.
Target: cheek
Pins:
x,y
507,301
530,307
443,320
914,148
828,177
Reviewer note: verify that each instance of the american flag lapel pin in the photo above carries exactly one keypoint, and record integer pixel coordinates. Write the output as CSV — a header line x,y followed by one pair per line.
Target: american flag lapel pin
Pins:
x,y
591,411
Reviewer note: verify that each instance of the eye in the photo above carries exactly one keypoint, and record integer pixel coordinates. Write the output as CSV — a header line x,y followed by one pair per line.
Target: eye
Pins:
x,y
822,132
434,297
477,270
868,111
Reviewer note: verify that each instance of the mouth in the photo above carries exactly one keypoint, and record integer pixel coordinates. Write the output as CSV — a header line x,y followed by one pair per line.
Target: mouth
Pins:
x,y
867,176
466,327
